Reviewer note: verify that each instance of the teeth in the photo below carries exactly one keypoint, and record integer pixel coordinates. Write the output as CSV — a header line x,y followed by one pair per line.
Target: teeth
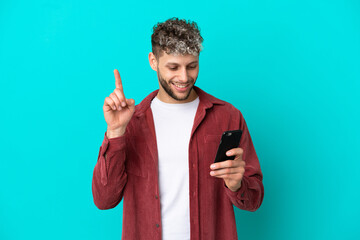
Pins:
x,y
180,86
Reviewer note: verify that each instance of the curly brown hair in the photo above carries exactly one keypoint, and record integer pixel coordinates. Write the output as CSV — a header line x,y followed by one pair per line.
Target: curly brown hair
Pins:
x,y
176,36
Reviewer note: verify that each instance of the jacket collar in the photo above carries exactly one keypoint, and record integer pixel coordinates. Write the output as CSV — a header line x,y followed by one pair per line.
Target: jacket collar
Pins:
x,y
206,101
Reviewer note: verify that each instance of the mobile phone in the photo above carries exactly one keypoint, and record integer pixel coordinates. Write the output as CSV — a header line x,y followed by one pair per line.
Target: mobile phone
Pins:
x,y
229,140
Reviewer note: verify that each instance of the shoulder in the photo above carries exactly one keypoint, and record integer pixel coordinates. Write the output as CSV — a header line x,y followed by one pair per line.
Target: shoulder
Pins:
x,y
228,111
144,105
225,112
217,103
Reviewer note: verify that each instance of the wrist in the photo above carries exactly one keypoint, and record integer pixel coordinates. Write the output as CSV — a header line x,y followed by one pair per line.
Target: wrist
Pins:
x,y
113,133
235,188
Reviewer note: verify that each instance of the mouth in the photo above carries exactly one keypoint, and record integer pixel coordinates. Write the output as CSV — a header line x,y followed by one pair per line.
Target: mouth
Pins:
x,y
181,87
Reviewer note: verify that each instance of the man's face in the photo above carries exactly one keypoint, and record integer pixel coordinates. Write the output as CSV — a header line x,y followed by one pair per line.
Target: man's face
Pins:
x,y
177,76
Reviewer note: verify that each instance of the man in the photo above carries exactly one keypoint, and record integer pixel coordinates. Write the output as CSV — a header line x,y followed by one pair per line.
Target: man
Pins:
x,y
159,155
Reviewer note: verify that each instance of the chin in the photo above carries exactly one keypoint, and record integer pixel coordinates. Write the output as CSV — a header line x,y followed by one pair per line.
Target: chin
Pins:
x,y
182,96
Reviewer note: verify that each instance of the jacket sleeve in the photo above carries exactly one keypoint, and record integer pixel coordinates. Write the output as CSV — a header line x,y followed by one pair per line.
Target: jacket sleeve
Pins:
x,y
109,176
251,193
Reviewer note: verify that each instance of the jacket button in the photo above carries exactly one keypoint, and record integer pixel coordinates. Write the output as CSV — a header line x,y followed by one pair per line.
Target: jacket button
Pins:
x,y
242,195
156,197
157,225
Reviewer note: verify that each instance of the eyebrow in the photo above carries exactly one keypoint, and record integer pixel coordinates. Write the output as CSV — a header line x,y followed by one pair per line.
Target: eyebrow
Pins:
x,y
174,63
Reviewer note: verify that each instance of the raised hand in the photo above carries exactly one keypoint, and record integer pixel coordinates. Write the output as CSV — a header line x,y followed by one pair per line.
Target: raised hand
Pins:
x,y
117,109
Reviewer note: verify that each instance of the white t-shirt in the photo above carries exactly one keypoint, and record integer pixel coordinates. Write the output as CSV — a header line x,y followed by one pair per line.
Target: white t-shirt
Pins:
x,y
173,125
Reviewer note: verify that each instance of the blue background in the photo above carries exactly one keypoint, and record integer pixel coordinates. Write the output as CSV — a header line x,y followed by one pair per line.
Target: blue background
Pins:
x,y
291,67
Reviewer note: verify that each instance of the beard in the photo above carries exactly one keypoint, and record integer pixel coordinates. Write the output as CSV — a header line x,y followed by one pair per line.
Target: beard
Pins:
x,y
169,91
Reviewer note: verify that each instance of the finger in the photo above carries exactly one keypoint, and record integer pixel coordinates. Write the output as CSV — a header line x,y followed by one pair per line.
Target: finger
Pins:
x,y
224,164
118,82
109,104
114,97
224,171
242,163
235,152
130,102
120,95
232,176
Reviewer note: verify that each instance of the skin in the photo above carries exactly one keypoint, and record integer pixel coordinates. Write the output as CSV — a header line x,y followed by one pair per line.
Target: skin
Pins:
x,y
180,69
171,70
231,171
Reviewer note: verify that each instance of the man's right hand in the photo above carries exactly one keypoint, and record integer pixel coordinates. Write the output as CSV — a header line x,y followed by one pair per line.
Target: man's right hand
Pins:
x,y
117,109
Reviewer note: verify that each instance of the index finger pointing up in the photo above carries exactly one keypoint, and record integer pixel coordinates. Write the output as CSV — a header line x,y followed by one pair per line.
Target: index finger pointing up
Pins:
x,y
118,82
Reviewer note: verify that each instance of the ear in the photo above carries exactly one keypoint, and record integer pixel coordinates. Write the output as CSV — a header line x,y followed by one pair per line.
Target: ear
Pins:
x,y
153,61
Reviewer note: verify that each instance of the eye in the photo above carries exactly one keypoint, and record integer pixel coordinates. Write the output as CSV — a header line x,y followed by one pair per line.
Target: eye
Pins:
x,y
173,68
192,67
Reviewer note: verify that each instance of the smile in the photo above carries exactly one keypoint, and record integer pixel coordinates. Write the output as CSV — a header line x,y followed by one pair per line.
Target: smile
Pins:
x,y
180,86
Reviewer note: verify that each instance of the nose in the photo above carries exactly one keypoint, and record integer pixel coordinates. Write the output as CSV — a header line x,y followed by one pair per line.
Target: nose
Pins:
x,y
183,75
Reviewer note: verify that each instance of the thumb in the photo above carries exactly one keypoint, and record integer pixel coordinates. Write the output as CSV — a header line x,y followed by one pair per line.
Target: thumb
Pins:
x,y
130,103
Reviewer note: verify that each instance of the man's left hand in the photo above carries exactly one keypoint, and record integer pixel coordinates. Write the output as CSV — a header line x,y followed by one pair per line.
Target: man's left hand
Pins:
x,y
232,171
